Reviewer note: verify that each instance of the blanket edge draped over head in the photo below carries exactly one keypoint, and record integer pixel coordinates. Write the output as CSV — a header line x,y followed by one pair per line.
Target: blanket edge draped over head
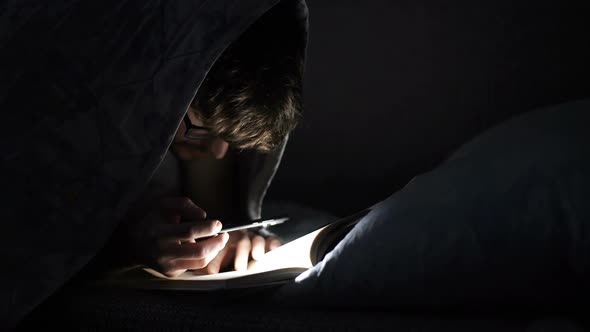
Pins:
x,y
92,94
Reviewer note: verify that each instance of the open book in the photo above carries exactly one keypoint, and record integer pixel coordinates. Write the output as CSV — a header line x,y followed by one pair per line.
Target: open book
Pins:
x,y
278,266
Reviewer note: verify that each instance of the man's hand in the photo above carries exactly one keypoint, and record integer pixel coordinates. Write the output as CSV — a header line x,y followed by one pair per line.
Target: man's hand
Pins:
x,y
162,242
242,249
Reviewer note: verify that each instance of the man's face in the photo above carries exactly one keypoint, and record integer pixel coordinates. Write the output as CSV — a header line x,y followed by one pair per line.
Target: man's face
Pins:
x,y
190,149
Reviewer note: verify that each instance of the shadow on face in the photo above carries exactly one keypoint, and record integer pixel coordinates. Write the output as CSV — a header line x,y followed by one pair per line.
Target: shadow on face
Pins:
x,y
190,149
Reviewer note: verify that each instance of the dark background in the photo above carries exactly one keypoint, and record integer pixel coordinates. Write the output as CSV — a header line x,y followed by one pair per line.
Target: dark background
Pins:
x,y
393,87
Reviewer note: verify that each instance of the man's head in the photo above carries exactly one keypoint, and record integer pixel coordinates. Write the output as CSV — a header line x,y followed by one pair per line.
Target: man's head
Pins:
x,y
251,97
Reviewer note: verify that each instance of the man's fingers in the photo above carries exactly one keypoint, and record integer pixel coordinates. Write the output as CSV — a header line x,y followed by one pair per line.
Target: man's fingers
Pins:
x,y
187,231
252,264
243,247
176,267
173,266
273,243
229,254
197,250
216,263
181,206
258,247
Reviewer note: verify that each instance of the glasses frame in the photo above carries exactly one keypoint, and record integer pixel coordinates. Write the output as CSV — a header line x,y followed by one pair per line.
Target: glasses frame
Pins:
x,y
190,127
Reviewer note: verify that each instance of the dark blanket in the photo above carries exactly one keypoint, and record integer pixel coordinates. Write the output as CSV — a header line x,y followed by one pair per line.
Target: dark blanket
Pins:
x,y
91,96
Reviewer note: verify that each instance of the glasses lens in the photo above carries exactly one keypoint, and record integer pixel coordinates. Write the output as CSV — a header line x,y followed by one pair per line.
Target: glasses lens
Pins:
x,y
198,134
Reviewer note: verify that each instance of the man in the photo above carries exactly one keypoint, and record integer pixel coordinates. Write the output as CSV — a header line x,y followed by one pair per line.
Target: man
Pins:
x,y
249,101
92,98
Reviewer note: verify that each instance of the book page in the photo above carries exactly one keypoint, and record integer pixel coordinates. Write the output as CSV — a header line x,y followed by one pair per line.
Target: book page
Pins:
x,y
294,254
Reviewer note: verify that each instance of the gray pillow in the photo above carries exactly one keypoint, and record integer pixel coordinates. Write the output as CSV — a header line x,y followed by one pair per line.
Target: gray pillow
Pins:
x,y
505,220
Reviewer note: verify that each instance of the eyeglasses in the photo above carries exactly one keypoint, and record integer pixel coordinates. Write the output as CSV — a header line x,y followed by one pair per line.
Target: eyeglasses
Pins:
x,y
196,133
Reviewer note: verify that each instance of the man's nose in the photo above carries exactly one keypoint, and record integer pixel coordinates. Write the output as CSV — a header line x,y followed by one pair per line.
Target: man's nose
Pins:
x,y
218,148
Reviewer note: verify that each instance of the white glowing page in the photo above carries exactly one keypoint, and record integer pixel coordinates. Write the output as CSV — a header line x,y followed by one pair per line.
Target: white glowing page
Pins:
x,y
295,254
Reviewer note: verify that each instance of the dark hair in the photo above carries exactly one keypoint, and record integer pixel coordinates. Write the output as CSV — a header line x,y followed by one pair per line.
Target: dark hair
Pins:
x,y
252,95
